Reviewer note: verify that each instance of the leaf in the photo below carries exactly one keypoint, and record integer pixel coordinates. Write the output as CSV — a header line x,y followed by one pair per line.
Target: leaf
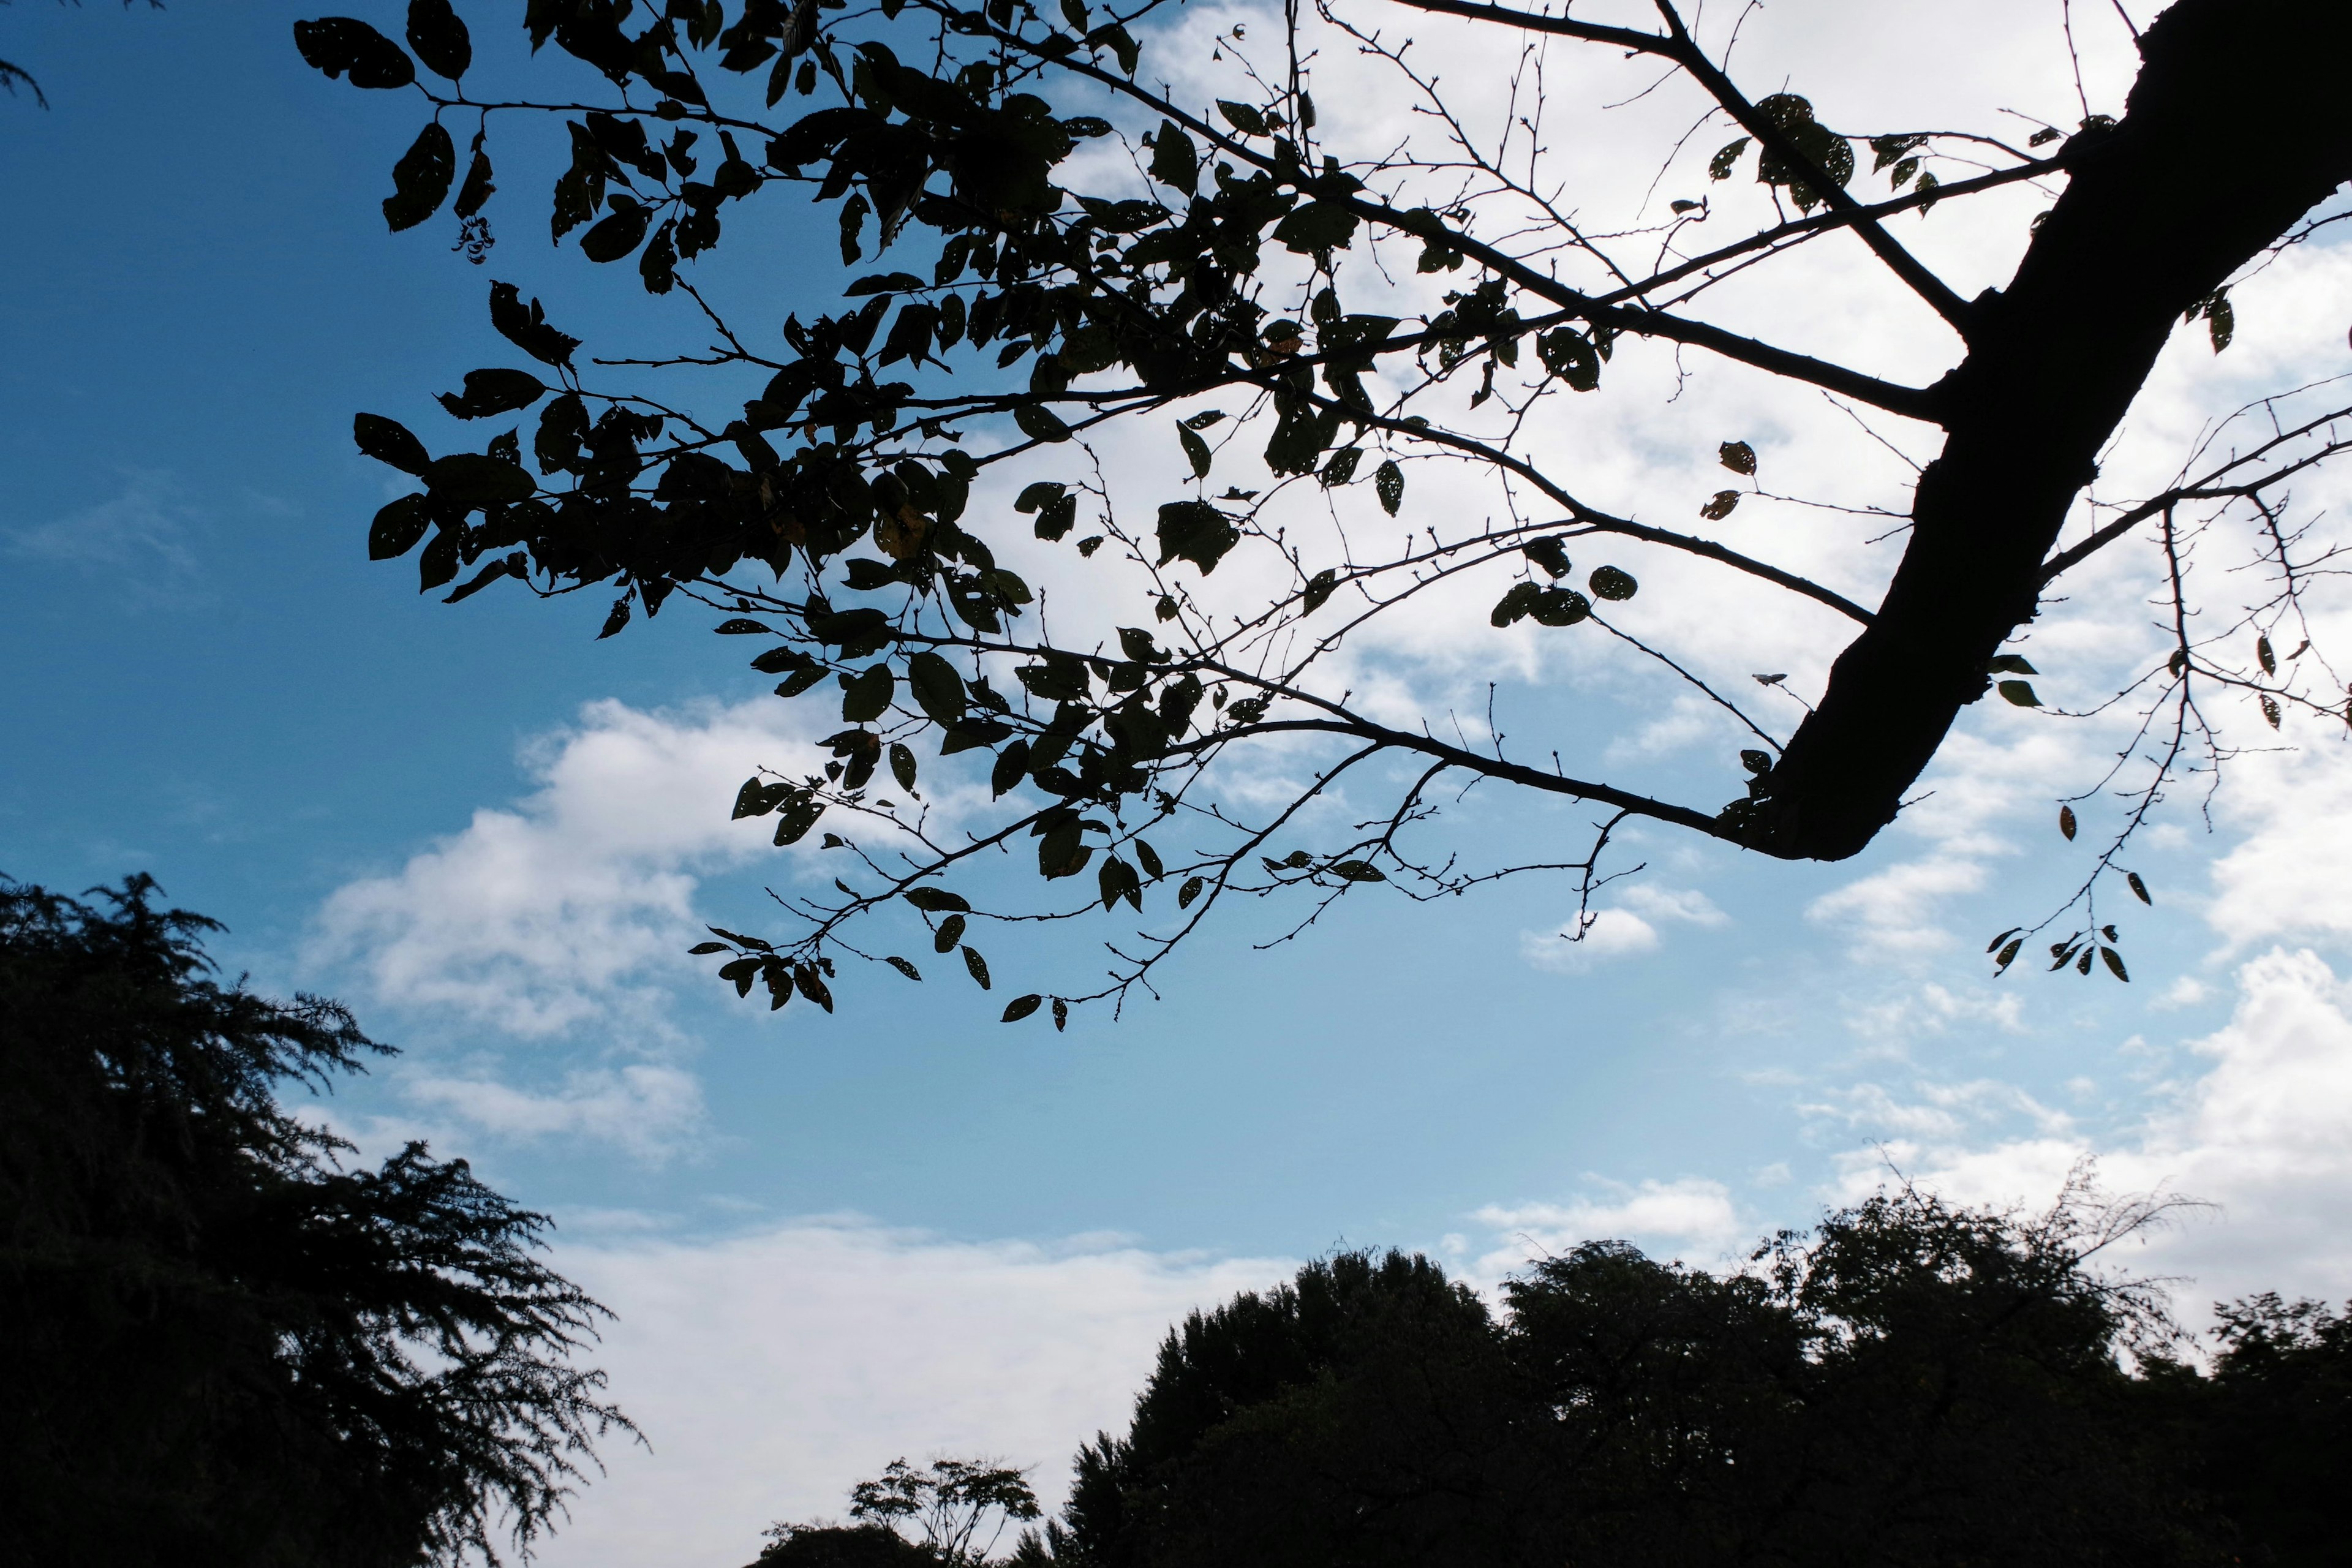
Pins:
x,y
2008,953
476,191
1196,531
1318,589
1060,1014
1736,456
2018,693
420,181
1150,857
1040,423
525,326
1242,117
2001,938
1358,871
704,949
950,934
2115,963
1612,583
343,44
2138,888
1570,355
1549,553
1041,493
2270,709
811,987
1196,451
2066,822
937,689
865,697
1388,483
1719,506
2082,964
1725,159
937,900
1341,468
397,528
617,234
903,967
1021,1007
2264,657
1755,761
1204,419
1173,160
389,441
1190,891
475,480
977,966
1063,852
617,619
493,392
902,766
439,37
2009,664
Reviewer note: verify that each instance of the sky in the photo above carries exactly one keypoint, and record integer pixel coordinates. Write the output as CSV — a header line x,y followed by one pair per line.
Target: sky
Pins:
x,y
908,1228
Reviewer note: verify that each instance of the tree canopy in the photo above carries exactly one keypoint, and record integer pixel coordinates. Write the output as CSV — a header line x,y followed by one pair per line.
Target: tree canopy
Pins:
x,y
1911,1383
1264,366
221,1341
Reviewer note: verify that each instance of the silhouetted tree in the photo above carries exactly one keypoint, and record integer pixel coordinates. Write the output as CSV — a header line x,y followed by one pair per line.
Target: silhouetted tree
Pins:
x,y
1909,1385
1080,245
949,1501
220,1341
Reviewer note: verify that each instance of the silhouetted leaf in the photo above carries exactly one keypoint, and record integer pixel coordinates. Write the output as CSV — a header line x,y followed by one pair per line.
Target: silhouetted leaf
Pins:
x,y
1610,583
420,181
1021,1007
389,441
1736,456
976,965
937,900
344,45
439,37
903,967
2020,693
2067,821
397,528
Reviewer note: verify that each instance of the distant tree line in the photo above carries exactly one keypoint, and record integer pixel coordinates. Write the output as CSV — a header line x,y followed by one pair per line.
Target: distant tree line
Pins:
x,y
1909,1383
224,1339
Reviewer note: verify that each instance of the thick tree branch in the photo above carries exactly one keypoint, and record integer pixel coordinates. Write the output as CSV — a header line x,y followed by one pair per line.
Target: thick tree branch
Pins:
x,y
2054,364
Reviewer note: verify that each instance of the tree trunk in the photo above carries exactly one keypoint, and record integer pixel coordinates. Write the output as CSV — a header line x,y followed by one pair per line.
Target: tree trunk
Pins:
x,y
2240,123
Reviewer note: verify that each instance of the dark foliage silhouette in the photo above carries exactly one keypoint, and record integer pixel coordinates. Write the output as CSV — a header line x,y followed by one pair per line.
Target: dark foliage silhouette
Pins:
x,y
220,1341
1912,1383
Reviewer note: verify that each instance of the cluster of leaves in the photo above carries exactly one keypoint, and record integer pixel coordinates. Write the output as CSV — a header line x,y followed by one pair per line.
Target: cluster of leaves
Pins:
x,y
835,514
217,1342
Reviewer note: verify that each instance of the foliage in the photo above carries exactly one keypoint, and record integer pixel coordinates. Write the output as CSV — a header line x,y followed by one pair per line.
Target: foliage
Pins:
x,y
950,1502
1911,1383
219,1342
1336,333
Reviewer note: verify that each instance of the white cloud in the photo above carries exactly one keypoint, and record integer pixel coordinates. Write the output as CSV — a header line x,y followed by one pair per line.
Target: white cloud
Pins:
x,y
2264,1131
1620,931
1690,1215
569,905
140,540
772,1369
650,1109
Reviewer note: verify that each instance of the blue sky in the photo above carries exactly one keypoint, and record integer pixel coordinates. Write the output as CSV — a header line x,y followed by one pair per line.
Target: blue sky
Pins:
x,y
206,680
